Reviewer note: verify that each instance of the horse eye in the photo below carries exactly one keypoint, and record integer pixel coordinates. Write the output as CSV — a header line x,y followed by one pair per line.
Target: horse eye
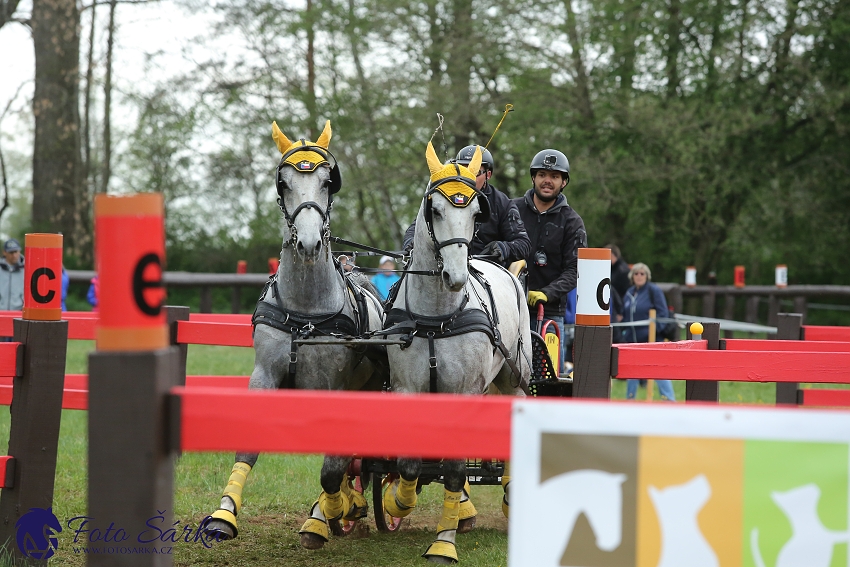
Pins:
x,y
437,214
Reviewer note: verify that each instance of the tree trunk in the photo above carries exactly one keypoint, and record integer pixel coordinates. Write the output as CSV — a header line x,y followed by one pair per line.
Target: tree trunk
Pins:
x,y
463,119
107,102
582,82
56,178
312,112
674,46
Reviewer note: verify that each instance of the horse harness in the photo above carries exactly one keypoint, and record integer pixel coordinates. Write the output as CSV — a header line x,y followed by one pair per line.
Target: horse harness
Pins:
x,y
305,325
408,324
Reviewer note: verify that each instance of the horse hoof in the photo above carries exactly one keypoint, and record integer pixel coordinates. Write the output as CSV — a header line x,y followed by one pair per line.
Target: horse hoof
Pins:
x,y
442,552
220,530
466,526
312,541
442,560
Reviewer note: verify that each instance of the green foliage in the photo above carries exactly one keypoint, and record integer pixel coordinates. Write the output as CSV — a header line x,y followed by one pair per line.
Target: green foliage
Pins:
x,y
708,134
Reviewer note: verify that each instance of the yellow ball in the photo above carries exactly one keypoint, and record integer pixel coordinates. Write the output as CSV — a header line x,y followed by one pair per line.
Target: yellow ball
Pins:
x,y
696,328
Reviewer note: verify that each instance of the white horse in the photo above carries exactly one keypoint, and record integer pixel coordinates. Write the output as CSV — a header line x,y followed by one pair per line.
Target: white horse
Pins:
x,y
309,297
467,336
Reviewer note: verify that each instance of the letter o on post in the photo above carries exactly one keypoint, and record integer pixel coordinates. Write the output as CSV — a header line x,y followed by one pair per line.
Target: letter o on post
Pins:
x,y
130,258
593,296
43,277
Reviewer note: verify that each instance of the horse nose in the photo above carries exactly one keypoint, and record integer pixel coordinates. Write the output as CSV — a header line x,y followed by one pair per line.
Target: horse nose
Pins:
x,y
311,250
450,283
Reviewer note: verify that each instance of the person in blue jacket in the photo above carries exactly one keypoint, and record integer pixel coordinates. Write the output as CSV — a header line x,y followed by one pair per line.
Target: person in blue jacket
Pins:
x,y
66,282
642,296
385,279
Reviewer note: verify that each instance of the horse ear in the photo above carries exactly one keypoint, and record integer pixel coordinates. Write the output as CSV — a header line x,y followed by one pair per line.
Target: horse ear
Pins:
x,y
475,162
325,138
283,143
433,161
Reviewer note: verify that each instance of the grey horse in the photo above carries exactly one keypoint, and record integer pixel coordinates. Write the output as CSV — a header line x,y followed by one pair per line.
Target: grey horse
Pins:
x,y
312,298
491,348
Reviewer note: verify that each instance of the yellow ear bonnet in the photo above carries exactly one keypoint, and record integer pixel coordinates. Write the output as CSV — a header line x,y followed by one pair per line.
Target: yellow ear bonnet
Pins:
x,y
311,157
459,193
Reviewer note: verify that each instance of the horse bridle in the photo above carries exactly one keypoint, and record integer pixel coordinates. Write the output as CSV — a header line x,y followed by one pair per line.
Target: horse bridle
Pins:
x,y
334,185
483,204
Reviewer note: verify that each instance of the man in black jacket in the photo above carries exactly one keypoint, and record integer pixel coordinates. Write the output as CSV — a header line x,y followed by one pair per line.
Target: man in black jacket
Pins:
x,y
556,232
503,236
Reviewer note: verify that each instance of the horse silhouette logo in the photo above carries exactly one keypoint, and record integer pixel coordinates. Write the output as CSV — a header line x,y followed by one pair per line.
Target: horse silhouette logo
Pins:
x,y
811,543
588,500
35,533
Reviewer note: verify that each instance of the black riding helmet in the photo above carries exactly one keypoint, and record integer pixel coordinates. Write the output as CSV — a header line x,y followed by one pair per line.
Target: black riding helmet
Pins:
x,y
465,156
553,160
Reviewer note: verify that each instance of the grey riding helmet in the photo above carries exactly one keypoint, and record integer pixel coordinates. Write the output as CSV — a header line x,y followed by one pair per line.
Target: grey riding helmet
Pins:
x,y
465,156
553,160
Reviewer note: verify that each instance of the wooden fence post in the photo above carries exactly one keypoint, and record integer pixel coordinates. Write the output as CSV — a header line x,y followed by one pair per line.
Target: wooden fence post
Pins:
x,y
788,328
173,314
709,300
704,390
592,370
36,413
131,465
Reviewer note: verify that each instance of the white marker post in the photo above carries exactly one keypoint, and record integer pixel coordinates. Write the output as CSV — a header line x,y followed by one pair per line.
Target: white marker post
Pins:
x,y
592,373
691,276
781,275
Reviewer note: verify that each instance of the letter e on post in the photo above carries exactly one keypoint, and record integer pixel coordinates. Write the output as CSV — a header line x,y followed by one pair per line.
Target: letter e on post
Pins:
x,y
593,294
130,258
43,277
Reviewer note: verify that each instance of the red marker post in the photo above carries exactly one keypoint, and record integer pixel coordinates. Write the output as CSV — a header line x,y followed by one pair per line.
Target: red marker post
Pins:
x,y
740,276
131,465
43,277
130,254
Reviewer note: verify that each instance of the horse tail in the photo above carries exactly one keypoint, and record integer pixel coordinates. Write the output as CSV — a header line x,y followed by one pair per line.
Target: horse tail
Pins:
x,y
754,545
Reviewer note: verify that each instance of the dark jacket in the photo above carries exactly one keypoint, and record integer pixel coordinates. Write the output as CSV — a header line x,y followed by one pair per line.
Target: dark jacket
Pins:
x,y
620,276
559,233
636,306
504,226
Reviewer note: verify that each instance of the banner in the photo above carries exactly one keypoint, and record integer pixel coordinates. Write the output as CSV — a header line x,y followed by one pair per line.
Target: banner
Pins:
x,y
628,485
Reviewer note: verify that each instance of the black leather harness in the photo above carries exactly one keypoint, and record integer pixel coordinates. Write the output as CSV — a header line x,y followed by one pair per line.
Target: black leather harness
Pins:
x,y
408,324
305,325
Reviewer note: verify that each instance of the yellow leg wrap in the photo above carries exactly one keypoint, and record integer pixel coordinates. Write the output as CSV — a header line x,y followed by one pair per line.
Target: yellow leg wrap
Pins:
x,y
444,549
226,516
451,510
333,506
400,498
467,508
236,482
506,480
317,527
358,507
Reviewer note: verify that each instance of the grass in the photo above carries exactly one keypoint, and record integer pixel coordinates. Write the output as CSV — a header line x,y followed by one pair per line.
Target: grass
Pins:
x,y
281,489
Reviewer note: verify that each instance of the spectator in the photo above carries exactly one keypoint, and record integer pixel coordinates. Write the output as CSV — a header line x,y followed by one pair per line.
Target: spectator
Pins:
x,y
12,277
642,296
66,282
619,271
384,279
93,293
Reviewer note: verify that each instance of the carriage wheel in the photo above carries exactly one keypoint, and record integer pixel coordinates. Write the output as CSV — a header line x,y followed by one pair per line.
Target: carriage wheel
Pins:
x,y
383,521
343,527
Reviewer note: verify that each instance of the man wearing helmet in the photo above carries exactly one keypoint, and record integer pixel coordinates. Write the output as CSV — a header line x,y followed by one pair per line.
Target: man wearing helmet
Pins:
x,y
556,232
503,236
